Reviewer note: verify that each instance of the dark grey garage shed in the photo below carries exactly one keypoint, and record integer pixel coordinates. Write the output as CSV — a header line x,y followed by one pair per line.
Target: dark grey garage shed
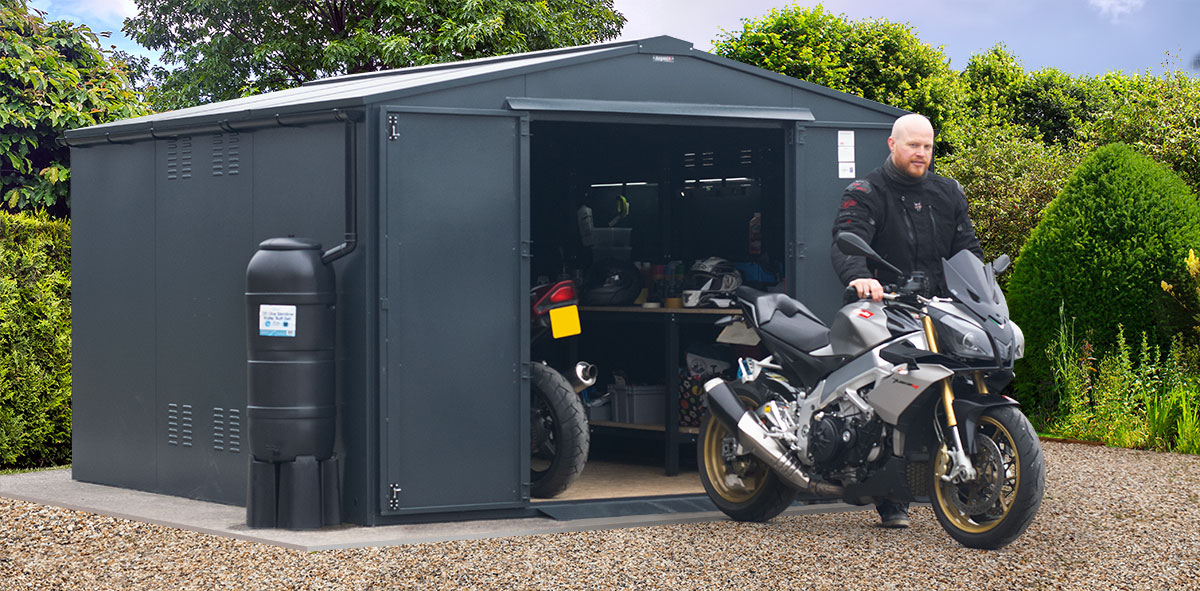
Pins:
x,y
463,180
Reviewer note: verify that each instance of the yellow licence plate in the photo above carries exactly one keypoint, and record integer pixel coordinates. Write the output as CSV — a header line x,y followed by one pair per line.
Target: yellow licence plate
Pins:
x,y
564,321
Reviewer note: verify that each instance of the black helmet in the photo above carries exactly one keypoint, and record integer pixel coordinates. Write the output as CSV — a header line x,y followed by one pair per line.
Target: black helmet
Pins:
x,y
710,278
611,283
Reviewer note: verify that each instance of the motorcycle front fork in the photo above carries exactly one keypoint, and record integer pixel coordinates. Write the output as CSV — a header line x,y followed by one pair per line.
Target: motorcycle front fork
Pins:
x,y
961,469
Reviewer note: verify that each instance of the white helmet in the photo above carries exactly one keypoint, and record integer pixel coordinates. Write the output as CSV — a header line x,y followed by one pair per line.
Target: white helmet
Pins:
x,y
710,279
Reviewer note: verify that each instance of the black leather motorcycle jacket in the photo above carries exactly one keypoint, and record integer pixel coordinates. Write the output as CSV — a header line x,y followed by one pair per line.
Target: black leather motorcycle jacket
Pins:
x,y
913,223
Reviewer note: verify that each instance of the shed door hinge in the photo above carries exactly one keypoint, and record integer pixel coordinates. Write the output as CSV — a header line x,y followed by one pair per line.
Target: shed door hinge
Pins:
x,y
526,371
527,249
393,122
394,496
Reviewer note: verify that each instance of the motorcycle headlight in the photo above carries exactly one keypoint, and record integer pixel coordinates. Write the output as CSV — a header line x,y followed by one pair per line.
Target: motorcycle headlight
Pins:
x,y
959,337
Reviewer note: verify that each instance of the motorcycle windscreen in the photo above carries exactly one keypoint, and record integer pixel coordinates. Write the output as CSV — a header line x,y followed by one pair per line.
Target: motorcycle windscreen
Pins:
x,y
973,283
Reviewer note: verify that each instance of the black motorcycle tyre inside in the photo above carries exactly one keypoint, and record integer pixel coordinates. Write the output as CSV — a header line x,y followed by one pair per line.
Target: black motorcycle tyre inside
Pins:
x,y
559,436
1016,481
761,494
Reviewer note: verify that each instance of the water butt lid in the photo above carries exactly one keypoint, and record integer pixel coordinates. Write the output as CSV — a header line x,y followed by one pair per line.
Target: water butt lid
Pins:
x,y
289,244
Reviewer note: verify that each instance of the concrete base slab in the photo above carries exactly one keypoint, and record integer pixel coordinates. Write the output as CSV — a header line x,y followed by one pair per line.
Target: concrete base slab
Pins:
x,y
56,488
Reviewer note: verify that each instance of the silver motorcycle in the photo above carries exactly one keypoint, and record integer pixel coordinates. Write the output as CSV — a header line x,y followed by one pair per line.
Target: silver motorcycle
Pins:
x,y
897,400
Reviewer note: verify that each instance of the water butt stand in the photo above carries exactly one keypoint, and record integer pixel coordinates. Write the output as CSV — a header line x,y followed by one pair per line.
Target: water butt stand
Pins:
x,y
291,410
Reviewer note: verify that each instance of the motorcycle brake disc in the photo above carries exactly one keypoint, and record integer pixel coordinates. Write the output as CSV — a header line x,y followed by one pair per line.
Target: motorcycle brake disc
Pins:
x,y
978,496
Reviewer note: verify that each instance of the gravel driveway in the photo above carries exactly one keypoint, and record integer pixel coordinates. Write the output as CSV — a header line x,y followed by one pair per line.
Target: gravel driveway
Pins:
x,y
1111,519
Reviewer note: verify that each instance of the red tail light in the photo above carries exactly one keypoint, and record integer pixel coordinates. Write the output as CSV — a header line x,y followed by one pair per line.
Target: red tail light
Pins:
x,y
560,294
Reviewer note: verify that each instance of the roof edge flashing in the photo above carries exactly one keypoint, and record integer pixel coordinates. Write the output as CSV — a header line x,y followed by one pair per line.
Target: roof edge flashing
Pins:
x,y
472,62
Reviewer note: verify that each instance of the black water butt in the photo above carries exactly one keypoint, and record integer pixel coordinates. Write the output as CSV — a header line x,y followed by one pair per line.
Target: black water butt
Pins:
x,y
291,398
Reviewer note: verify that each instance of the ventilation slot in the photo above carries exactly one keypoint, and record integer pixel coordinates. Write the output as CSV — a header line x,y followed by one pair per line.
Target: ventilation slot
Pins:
x,y
227,430
179,158
226,158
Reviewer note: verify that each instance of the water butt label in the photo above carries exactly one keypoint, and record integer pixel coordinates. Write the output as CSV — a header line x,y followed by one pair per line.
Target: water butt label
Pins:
x,y
276,321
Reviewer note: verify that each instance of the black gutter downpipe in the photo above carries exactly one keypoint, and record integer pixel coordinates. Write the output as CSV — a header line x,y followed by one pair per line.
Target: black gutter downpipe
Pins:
x,y
351,167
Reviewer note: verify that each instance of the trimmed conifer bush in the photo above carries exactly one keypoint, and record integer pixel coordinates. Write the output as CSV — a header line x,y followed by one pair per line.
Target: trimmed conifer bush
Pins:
x,y
35,341
1121,226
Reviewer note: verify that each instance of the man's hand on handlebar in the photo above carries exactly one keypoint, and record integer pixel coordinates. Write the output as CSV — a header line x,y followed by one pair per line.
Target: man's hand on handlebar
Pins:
x,y
868,287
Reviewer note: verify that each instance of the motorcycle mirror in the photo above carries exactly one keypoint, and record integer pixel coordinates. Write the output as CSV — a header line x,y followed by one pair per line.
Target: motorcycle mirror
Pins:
x,y
854,245
1001,264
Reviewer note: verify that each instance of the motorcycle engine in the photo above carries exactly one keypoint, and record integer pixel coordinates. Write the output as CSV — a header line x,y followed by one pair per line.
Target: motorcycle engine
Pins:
x,y
837,442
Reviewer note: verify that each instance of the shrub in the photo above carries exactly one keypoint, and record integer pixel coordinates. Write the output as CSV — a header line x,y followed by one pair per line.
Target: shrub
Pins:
x,y
1120,226
35,341
1009,179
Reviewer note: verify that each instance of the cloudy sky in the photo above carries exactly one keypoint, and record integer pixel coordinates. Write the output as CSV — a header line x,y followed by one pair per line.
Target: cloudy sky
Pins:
x,y
1077,36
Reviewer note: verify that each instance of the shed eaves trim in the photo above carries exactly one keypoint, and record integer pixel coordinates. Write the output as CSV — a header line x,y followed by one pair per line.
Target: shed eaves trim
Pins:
x,y
657,108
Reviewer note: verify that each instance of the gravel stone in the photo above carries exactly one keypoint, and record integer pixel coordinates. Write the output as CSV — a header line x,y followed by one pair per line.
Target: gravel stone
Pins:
x,y
1111,519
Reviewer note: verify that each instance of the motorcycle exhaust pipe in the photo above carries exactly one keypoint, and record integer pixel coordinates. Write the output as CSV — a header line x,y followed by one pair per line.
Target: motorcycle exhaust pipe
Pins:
x,y
583,376
751,433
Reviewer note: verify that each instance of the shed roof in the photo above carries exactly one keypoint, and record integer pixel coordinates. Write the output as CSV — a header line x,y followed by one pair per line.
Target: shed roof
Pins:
x,y
358,90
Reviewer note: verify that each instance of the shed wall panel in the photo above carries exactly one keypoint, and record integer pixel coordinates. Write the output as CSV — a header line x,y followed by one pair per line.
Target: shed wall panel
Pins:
x,y
204,224
113,316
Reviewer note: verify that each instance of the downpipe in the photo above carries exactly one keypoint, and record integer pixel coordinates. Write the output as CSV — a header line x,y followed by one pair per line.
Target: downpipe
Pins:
x,y
725,407
583,376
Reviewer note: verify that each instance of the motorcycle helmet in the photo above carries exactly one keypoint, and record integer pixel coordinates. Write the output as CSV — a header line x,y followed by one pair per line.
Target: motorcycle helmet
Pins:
x,y
710,279
610,282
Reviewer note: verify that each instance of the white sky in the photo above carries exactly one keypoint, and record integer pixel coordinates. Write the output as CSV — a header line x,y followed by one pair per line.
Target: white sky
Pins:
x,y
1077,36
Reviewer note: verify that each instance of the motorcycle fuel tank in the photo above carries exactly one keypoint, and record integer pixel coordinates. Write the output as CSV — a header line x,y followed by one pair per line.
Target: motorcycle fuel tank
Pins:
x,y
858,326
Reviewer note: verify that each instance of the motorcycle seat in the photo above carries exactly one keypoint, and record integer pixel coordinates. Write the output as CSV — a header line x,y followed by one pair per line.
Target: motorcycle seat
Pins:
x,y
795,323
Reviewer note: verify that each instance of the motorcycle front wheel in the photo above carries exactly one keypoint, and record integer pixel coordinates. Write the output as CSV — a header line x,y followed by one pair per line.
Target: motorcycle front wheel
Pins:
x,y
558,433
739,484
999,504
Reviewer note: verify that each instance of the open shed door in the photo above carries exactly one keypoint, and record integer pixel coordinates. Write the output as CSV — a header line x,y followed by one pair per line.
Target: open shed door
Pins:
x,y
454,309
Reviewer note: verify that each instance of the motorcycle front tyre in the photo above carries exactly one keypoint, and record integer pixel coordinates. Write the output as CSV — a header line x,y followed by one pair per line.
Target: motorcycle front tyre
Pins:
x,y
744,488
1016,480
558,432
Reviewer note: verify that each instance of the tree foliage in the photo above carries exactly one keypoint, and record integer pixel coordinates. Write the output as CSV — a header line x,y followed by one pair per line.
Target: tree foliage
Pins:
x,y
234,48
53,77
872,58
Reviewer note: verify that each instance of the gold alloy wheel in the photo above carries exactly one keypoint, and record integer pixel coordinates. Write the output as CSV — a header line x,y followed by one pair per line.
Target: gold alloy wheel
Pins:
x,y
1004,473
736,481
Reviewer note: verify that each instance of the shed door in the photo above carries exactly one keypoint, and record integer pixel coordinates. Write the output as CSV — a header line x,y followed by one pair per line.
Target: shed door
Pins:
x,y
454,311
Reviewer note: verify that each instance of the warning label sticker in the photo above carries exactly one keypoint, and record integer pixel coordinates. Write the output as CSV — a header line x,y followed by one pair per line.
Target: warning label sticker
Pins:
x,y
276,321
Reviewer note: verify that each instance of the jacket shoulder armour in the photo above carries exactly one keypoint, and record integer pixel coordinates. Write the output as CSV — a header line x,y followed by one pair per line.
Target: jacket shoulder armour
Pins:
x,y
859,186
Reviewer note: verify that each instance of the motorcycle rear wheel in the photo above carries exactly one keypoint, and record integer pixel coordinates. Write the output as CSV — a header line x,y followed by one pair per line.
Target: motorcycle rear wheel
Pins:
x,y
999,504
740,486
558,437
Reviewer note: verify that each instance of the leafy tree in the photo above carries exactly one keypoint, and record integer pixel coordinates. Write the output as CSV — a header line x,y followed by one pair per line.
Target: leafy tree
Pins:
x,y
233,48
1158,115
872,58
1121,226
53,77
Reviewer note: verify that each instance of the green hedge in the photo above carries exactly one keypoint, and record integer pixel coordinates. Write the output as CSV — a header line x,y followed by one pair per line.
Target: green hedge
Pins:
x,y
35,341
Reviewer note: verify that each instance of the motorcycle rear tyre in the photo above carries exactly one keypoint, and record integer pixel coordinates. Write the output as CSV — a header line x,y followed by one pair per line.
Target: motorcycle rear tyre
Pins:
x,y
1025,475
555,407
757,494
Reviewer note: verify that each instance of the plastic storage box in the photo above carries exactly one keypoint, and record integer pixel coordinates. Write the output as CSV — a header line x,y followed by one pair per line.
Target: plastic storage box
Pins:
x,y
637,404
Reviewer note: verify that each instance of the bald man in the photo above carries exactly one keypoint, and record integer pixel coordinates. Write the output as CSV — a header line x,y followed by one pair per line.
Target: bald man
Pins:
x,y
909,215
913,218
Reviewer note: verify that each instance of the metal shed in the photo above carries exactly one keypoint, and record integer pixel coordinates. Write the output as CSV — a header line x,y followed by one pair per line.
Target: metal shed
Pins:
x,y
460,179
